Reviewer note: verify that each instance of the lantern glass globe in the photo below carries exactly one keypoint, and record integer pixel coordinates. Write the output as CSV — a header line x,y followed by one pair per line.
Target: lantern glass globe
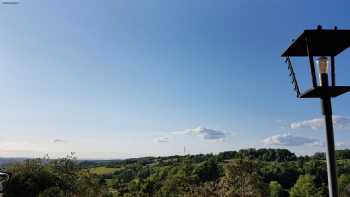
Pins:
x,y
323,64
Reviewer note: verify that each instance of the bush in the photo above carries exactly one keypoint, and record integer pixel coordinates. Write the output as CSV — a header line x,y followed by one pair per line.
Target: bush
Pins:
x,y
45,178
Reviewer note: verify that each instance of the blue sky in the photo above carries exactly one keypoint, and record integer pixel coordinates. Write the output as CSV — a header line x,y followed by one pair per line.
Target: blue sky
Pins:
x,y
128,78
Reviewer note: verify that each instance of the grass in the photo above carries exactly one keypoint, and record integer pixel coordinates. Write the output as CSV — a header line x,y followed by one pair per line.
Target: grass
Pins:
x,y
103,170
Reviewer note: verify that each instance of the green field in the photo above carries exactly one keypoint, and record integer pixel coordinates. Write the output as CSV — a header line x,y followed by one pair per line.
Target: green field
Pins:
x,y
103,170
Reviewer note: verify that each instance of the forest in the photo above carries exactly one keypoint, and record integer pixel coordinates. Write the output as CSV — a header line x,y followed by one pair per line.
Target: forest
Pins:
x,y
243,173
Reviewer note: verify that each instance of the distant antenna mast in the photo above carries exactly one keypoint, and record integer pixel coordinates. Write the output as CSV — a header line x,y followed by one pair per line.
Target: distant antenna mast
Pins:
x,y
184,150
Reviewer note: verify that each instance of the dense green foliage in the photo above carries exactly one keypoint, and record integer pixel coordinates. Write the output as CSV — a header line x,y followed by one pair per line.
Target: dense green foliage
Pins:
x,y
248,173
275,189
53,178
304,187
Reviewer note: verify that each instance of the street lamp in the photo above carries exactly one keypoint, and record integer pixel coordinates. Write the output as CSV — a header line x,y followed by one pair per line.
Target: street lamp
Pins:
x,y
324,44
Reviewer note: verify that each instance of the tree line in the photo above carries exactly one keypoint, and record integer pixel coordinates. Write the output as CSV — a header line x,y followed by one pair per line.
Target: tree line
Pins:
x,y
243,173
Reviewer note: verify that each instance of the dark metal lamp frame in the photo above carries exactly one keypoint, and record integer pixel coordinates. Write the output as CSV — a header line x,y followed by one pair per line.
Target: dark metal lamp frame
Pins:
x,y
321,42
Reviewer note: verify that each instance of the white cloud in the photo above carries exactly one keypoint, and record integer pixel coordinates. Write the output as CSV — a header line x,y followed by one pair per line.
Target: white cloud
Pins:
x,y
289,140
340,145
205,133
57,141
161,139
318,123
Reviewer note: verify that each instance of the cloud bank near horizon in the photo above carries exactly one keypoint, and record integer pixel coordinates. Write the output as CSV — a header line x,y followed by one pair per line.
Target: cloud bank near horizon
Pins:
x,y
288,139
318,123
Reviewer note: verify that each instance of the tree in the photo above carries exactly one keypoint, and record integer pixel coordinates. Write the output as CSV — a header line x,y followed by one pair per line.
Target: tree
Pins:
x,y
210,189
241,179
46,178
173,186
343,154
275,189
226,155
285,173
304,187
29,179
343,183
52,192
207,171
318,170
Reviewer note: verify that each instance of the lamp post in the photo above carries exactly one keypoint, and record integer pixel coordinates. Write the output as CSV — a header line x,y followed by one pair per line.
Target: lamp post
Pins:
x,y
322,44
327,113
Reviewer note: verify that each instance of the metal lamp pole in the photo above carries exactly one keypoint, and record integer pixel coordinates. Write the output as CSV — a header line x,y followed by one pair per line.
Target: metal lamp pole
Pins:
x,y
330,154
